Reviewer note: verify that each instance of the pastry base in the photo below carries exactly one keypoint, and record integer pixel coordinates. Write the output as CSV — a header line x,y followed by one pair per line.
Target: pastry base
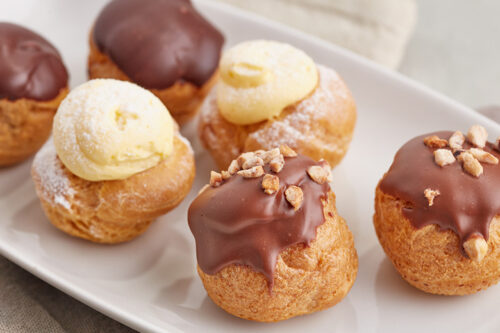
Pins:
x,y
111,211
432,260
25,125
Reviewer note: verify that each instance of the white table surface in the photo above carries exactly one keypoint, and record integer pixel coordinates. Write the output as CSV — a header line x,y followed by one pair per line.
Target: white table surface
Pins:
x,y
455,50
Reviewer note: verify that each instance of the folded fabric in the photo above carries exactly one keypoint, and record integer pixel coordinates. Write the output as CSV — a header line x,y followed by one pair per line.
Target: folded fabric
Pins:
x,y
378,30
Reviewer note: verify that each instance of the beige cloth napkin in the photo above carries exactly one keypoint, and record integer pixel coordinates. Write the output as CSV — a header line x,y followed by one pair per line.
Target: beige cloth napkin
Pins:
x,y
27,304
377,29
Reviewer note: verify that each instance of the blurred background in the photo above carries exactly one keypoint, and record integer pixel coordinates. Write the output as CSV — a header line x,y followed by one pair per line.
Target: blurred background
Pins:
x,y
451,46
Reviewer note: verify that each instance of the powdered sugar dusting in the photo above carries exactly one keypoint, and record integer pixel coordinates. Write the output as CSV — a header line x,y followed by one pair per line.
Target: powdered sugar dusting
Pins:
x,y
55,186
296,126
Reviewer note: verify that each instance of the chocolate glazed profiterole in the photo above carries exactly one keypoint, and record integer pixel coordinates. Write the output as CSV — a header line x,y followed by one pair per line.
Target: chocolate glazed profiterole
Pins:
x,y
33,81
269,242
437,208
218,216
163,45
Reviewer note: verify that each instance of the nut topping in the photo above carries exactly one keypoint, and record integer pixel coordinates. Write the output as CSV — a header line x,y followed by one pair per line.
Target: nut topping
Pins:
x,y
435,142
470,164
443,157
277,163
430,195
215,179
456,140
287,151
226,175
234,167
270,183
476,248
320,174
477,135
269,155
249,160
294,196
483,156
253,172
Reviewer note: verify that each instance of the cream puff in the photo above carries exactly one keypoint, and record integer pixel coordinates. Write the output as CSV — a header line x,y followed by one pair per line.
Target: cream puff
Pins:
x,y
272,94
165,46
437,212
116,162
33,81
270,244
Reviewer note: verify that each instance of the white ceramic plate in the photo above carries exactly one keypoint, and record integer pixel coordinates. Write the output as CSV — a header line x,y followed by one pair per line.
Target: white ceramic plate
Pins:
x,y
150,283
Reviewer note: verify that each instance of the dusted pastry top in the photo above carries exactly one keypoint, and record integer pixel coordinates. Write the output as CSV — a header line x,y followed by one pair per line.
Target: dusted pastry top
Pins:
x,y
260,78
30,67
465,198
108,129
243,221
158,42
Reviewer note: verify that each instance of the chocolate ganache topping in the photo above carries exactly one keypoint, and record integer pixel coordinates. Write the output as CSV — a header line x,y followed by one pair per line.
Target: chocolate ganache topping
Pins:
x,y
466,204
30,67
237,223
158,42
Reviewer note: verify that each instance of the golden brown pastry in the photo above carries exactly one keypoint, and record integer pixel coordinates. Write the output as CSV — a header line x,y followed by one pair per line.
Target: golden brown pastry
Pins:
x,y
116,163
165,46
269,241
33,82
437,212
317,121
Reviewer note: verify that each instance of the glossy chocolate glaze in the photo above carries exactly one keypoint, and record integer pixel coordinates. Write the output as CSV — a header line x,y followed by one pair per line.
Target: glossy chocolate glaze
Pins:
x,y
237,223
30,67
466,204
158,42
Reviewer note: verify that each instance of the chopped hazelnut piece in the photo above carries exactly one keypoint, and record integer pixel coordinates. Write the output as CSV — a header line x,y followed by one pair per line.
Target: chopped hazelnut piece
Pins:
x,y
483,156
435,142
470,164
287,151
277,163
430,195
294,196
260,153
226,175
215,179
456,140
443,157
249,160
320,174
270,183
476,248
477,135
253,172
234,167
269,155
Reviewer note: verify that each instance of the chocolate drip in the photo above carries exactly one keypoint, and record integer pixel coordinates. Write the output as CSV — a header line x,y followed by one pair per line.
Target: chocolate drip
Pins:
x,y
158,42
237,223
30,67
466,204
